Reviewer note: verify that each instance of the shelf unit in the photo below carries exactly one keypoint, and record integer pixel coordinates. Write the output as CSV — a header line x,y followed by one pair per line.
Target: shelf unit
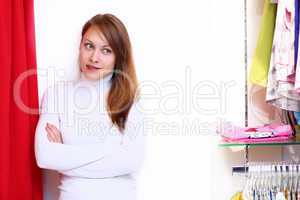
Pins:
x,y
252,144
244,169
223,144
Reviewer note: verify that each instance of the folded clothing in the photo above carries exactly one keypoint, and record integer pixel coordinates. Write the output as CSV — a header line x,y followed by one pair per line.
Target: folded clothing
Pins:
x,y
268,132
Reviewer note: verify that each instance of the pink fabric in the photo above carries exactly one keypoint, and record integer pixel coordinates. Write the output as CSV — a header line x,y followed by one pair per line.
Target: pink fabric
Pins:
x,y
262,140
278,132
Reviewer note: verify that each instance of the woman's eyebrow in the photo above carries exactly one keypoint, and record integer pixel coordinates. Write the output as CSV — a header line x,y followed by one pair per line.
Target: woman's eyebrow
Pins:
x,y
105,45
89,41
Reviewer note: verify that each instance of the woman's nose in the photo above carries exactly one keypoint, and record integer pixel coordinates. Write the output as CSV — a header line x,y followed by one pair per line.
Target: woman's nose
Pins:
x,y
95,56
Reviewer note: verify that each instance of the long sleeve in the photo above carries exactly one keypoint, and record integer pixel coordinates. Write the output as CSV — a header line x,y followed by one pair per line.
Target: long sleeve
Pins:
x,y
125,160
58,156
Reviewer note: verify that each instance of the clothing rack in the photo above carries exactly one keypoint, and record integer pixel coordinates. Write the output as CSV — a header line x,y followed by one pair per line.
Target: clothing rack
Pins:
x,y
271,181
274,167
240,169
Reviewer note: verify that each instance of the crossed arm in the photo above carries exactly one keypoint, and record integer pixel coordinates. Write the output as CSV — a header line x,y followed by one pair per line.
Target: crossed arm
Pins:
x,y
107,159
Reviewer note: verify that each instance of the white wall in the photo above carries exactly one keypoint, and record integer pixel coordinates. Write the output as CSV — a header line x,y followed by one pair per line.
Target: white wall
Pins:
x,y
192,54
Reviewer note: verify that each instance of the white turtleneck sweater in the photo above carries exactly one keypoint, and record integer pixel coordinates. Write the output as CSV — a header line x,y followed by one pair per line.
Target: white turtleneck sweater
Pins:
x,y
96,161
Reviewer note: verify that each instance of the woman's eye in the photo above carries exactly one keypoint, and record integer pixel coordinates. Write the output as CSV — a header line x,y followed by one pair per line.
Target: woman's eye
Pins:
x,y
88,45
106,51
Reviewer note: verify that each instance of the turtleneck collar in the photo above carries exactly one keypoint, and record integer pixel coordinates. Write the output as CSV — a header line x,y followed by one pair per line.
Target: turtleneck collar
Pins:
x,y
105,81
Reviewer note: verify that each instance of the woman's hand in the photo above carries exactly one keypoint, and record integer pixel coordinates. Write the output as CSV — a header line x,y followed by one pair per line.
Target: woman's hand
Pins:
x,y
53,134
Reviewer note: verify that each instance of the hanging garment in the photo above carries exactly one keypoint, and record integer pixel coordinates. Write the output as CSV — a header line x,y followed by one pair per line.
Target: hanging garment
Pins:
x,y
281,77
288,117
297,66
292,121
297,116
261,59
272,181
296,43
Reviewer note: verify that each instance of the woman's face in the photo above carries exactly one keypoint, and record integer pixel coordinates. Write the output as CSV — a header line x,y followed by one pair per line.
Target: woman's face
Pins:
x,y
96,58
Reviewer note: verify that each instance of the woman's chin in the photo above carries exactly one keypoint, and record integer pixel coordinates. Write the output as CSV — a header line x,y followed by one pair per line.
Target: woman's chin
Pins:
x,y
91,75
94,76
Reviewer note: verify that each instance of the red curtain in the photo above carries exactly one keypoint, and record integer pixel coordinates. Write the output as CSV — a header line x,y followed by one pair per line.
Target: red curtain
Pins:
x,y
20,178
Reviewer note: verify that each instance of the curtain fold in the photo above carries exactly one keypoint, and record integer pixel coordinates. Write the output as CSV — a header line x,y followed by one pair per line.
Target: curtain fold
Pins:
x,y
20,178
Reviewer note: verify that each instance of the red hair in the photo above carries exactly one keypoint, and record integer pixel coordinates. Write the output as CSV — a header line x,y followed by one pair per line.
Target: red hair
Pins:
x,y
123,89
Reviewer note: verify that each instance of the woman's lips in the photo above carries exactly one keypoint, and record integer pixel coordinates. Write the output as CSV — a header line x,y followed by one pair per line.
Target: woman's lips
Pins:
x,y
92,68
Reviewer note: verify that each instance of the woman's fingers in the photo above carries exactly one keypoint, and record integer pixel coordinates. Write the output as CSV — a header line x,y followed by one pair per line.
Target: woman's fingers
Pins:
x,y
57,133
50,136
54,133
54,127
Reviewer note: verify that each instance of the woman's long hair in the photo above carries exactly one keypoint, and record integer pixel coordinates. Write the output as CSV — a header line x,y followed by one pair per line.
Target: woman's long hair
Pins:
x,y
123,89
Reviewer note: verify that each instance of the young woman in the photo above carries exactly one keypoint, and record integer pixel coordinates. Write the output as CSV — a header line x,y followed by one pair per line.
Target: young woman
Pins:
x,y
92,131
